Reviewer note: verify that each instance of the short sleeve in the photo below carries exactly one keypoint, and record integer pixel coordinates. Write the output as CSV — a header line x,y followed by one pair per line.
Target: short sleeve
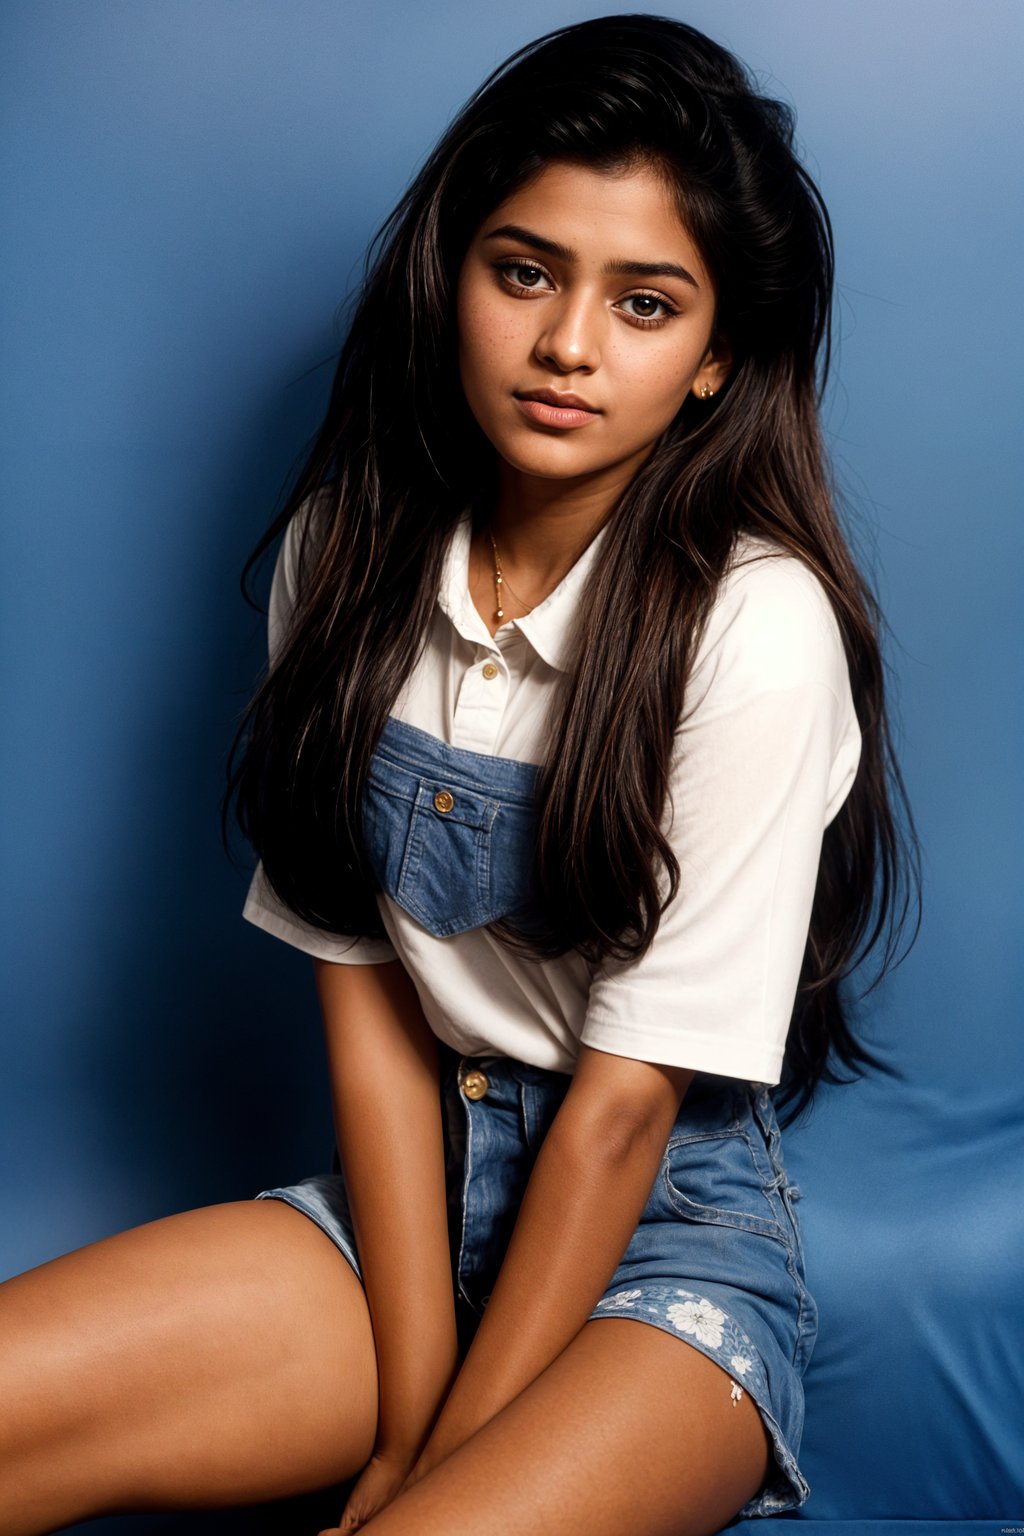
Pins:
x,y
262,906
765,754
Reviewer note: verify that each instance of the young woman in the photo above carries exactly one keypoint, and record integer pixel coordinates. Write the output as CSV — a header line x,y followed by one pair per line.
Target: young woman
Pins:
x,y
571,771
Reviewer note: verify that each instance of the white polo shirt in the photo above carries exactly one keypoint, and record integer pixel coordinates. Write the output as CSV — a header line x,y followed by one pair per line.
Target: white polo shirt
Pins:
x,y
763,761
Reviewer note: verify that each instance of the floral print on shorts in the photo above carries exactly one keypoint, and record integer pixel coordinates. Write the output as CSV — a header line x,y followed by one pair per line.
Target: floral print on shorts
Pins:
x,y
702,1323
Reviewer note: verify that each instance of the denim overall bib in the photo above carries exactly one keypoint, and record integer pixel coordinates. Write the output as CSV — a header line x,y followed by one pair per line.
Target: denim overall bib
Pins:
x,y
717,1258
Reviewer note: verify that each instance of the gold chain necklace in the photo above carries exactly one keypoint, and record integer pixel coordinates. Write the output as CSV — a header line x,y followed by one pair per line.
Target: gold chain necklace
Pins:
x,y
499,582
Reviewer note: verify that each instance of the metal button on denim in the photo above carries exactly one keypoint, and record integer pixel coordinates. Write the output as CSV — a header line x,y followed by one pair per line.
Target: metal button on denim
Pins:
x,y
475,1085
450,832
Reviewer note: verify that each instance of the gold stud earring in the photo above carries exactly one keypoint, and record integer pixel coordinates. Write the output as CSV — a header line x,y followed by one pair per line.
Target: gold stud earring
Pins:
x,y
706,391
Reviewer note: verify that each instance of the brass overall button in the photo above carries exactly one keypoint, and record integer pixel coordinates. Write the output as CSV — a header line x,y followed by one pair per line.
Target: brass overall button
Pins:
x,y
443,800
475,1085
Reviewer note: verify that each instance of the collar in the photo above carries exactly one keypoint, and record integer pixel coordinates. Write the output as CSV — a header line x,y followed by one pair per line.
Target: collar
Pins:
x,y
548,627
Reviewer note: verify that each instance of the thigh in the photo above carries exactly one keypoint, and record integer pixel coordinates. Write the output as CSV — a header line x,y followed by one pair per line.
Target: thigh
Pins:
x,y
629,1429
217,1356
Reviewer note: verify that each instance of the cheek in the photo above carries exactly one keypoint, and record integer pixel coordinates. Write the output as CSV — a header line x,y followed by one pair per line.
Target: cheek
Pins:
x,y
477,324
481,359
654,385
491,335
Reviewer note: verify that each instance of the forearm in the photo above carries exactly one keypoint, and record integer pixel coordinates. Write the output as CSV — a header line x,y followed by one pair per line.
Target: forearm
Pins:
x,y
581,1206
387,1112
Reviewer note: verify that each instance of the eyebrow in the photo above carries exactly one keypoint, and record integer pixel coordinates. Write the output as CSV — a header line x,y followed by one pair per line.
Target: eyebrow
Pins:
x,y
566,253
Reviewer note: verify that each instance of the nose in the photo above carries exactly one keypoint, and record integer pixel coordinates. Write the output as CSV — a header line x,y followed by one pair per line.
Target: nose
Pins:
x,y
569,337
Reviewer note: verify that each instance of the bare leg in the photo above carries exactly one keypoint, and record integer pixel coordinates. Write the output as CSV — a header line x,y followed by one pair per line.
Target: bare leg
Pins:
x,y
628,1430
216,1357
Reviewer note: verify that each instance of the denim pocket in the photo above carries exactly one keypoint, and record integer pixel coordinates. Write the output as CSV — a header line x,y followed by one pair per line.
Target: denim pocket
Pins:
x,y
712,1176
451,855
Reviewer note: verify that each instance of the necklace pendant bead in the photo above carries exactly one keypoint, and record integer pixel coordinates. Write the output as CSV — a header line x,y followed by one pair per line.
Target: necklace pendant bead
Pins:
x,y
500,613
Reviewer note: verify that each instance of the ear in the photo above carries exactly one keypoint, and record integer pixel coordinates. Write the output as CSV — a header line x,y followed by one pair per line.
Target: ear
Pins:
x,y
714,369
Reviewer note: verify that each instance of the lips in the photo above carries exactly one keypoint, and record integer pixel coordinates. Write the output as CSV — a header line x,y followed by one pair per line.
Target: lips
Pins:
x,y
564,402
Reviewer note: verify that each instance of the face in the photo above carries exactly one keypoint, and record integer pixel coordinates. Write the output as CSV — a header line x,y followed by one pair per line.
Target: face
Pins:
x,y
584,284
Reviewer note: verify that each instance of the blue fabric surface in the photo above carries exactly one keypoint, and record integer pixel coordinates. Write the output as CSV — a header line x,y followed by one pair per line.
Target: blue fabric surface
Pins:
x,y
914,1234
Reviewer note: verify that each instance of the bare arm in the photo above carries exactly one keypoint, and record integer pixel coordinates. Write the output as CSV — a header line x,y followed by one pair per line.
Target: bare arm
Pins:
x,y
588,1187
385,1088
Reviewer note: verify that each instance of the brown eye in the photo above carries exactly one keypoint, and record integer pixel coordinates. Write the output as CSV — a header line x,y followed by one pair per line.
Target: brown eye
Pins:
x,y
520,275
653,303
649,321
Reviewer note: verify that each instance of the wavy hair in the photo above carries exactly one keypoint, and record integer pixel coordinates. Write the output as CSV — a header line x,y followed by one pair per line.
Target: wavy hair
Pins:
x,y
392,468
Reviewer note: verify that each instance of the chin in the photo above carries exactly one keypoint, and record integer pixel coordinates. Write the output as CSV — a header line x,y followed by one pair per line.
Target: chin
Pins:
x,y
550,468
549,458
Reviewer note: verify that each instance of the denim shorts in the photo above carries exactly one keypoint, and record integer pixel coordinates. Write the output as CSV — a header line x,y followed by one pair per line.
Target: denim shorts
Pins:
x,y
716,1259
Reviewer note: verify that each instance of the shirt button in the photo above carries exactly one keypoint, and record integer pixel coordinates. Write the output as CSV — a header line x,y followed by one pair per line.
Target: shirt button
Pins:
x,y
443,801
490,670
474,1085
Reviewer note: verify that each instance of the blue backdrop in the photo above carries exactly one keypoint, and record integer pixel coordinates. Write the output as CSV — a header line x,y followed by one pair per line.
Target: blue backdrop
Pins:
x,y
188,187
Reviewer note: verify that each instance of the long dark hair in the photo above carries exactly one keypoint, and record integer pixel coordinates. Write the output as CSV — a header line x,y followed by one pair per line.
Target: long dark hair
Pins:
x,y
390,472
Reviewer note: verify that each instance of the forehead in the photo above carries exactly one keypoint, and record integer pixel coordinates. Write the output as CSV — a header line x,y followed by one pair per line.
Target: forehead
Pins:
x,y
601,214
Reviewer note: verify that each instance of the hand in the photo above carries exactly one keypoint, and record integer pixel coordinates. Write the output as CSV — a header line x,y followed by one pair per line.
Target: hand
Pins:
x,y
380,1481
